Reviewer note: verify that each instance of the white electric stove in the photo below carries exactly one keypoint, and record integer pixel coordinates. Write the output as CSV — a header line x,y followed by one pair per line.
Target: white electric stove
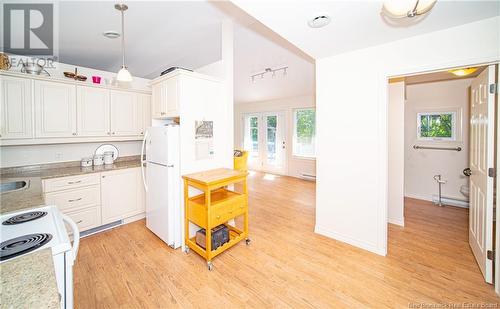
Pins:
x,y
25,232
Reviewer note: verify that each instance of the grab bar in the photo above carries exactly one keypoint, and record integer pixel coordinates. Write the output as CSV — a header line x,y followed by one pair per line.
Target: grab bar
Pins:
x,y
438,148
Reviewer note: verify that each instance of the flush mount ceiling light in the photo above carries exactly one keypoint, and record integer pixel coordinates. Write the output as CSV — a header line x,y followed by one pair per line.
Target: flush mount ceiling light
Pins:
x,y
111,34
463,71
123,75
319,21
406,8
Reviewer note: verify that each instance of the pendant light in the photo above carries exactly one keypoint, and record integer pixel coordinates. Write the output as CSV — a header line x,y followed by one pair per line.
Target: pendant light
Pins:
x,y
407,8
123,75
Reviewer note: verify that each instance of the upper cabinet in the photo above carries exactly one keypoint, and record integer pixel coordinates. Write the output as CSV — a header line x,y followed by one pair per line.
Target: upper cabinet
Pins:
x,y
55,109
173,97
166,97
159,100
16,110
144,107
124,113
93,105
43,110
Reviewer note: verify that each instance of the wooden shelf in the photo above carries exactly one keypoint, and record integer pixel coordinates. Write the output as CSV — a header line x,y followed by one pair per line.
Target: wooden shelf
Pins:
x,y
234,237
217,197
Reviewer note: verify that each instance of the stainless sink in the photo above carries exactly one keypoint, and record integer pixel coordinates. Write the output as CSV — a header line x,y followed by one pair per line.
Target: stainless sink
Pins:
x,y
13,186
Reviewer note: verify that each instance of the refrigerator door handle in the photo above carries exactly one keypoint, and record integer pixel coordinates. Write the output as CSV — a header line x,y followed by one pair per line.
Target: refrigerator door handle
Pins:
x,y
142,161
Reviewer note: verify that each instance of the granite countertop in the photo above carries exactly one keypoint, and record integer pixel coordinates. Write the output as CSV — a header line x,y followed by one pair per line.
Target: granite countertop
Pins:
x,y
29,281
32,195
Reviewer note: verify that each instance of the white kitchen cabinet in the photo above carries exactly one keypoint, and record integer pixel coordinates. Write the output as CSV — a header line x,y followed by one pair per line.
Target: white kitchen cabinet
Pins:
x,y
144,114
122,194
16,109
173,96
55,109
124,113
93,106
159,100
166,97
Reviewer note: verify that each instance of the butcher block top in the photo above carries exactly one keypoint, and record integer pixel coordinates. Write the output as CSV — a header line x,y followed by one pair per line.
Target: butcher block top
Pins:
x,y
216,177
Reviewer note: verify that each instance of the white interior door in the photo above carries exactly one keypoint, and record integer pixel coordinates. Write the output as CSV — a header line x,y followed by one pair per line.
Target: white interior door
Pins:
x,y
265,140
481,160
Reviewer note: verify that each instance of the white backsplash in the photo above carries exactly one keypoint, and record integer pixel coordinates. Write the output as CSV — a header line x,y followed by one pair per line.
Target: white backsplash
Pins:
x,y
41,154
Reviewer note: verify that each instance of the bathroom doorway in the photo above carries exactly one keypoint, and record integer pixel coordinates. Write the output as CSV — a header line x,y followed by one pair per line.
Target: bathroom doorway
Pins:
x,y
441,165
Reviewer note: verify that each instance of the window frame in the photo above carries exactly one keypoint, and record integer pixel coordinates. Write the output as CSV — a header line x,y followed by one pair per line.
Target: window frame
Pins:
x,y
454,125
294,133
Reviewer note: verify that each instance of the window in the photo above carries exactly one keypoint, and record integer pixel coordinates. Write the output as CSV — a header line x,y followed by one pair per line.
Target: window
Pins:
x,y
304,132
436,126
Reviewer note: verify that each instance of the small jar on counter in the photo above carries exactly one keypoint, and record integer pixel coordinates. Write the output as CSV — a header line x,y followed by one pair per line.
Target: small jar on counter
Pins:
x,y
86,162
98,159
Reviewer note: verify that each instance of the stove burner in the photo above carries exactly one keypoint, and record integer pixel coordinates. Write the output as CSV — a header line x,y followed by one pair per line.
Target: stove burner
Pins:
x,y
23,244
24,217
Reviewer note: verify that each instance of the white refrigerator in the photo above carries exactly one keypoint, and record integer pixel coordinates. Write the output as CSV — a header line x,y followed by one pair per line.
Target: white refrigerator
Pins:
x,y
162,181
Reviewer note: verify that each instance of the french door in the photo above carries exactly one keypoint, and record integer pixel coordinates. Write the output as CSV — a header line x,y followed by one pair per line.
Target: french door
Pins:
x,y
264,139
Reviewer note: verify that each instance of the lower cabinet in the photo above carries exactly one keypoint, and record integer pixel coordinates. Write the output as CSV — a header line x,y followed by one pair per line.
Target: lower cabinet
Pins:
x,y
122,194
93,200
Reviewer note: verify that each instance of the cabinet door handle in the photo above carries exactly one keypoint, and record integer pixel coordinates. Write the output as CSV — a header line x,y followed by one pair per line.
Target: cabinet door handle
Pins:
x,y
74,133
217,217
113,133
109,133
75,200
73,182
79,221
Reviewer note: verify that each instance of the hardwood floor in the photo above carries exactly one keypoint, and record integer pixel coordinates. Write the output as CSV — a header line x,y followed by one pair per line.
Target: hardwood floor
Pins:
x,y
287,265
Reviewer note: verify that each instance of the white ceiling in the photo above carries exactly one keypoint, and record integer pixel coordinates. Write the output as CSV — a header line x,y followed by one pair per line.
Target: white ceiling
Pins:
x,y
253,53
357,24
161,34
158,35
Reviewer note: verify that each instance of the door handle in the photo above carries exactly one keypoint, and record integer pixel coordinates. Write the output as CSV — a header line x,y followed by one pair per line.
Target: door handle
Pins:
x,y
467,172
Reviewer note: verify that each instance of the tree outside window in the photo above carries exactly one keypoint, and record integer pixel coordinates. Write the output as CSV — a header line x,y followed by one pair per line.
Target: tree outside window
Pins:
x,y
304,132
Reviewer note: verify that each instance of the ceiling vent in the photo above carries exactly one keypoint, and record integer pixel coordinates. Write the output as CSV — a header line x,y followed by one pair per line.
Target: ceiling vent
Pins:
x,y
111,34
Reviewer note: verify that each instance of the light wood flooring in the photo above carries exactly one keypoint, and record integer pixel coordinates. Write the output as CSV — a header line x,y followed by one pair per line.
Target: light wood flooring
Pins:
x,y
287,265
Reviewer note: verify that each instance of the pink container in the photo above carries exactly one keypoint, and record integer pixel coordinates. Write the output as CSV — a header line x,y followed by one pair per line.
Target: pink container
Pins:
x,y
96,79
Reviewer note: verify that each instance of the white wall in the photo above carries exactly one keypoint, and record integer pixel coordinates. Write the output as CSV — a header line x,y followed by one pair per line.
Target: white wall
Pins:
x,y
42,154
422,165
396,110
352,132
295,165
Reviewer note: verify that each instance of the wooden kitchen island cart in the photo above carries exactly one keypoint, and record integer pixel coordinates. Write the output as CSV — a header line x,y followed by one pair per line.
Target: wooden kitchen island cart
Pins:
x,y
215,206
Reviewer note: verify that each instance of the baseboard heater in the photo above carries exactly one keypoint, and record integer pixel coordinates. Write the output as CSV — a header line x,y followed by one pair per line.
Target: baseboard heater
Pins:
x,y
451,201
308,177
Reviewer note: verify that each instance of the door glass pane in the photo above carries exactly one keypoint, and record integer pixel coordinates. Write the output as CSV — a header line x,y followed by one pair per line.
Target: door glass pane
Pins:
x,y
254,137
271,139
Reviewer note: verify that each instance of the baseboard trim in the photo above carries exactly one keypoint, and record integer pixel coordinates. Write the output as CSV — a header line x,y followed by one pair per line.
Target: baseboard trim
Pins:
x,y
349,240
397,221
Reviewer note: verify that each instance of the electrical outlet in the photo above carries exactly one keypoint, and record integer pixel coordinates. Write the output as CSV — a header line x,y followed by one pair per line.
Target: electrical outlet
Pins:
x,y
59,156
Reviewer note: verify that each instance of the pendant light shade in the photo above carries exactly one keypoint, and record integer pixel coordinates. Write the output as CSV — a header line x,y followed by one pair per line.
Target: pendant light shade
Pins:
x,y
123,75
407,8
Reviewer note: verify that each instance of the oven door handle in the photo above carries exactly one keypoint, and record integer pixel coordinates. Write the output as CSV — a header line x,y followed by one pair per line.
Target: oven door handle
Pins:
x,y
76,235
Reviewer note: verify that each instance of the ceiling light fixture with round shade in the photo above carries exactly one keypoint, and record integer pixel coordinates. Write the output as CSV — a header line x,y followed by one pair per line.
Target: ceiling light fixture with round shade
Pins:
x,y
407,8
463,71
123,75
